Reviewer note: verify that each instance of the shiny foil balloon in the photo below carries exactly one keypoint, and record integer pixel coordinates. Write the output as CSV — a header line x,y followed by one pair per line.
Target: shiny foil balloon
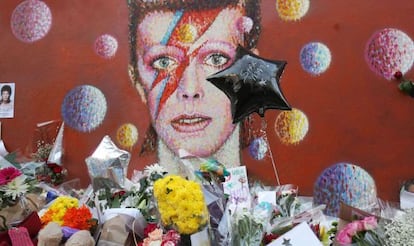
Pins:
x,y
388,51
344,182
252,84
292,10
106,46
291,126
315,58
84,108
258,148
127,135
31,20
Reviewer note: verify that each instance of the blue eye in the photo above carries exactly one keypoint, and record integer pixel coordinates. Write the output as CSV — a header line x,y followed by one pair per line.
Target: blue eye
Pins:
x,y
164,63
216,60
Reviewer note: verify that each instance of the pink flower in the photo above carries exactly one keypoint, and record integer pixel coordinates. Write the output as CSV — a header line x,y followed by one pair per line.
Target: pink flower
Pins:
x,y
345,235
8,174
369,223
154,238
170,237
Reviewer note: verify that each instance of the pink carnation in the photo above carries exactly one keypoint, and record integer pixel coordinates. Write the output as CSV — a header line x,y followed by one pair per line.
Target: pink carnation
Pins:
x,y
369,223
8,174
345,235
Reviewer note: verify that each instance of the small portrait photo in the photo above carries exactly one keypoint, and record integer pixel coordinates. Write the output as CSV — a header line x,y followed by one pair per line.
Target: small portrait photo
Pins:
x,y
7,100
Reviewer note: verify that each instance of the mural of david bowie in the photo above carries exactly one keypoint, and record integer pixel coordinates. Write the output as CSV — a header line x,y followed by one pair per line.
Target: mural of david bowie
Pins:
x,y
174,46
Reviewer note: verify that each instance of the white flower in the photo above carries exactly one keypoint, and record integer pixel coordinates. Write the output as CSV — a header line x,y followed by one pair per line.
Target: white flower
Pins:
x,y
16,188
130,201
154,169
401,230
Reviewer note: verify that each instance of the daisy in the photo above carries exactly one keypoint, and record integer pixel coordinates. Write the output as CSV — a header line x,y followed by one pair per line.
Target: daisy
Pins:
x,y
154,169
15,188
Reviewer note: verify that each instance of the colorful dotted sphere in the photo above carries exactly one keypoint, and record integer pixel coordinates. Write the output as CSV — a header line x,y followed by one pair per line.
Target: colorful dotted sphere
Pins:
x,y
291,126
344,182
84,108
258,148
291,10
127,135
315,58
31,20
106,46
388,51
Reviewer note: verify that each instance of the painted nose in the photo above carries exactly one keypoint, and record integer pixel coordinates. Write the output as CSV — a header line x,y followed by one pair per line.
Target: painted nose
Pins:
x,y
190,87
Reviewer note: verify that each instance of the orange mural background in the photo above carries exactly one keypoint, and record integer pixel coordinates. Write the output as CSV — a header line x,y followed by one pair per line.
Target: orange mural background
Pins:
x,y
354,115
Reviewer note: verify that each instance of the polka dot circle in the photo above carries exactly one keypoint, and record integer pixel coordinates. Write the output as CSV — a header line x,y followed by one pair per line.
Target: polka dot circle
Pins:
x,y
344,182
106,46
127,135
291,126
187,33
31,20
315,58
388,51
84,108
291,10
258,148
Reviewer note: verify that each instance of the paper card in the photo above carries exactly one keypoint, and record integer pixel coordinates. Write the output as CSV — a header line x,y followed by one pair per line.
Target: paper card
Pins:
x,y
300,235
236,187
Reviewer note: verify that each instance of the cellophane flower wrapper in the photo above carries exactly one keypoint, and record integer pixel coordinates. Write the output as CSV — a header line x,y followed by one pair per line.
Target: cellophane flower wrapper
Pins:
x,y
211,174
46,152
129,207
20,195
249,227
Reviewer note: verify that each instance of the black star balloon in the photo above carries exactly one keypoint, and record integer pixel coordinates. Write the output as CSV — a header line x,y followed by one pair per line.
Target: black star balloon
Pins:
x,y
252,84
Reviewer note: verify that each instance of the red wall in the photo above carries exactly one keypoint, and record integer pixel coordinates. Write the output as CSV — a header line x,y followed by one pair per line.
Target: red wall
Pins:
x,y
354,115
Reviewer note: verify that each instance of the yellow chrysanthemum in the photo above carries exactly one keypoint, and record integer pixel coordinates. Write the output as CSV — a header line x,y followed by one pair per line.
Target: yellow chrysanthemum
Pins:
x,y
181,204
58,208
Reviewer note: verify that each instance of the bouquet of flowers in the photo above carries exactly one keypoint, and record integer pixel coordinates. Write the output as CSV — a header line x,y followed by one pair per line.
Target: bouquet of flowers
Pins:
x,y
48,151
14,185
157,237
67,213
248,227
181,204
360,232
138,195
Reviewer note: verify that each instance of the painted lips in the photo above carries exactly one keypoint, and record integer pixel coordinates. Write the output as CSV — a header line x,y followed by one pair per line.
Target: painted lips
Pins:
x,y
190,123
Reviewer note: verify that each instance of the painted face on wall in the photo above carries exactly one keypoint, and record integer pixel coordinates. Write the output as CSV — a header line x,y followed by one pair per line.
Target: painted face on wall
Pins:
x,y
176,52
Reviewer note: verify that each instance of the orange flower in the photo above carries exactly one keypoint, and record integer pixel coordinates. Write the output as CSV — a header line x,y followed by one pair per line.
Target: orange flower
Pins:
x,y
47,217
79,218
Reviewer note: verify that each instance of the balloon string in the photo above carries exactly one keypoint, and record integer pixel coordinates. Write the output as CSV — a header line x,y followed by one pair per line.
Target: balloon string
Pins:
x,y
263,129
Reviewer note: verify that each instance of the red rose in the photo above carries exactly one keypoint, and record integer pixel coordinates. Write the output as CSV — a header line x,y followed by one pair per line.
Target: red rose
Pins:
x,y
55,167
